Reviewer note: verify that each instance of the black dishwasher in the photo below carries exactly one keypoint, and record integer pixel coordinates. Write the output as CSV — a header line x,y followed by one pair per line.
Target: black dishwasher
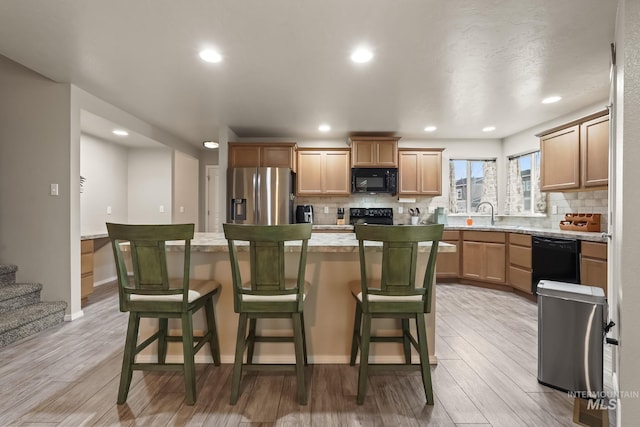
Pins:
x,y
554,259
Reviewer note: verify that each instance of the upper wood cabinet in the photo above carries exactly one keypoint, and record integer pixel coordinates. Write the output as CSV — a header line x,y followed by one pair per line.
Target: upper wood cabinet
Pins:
x,y
420,172
323,172
594,146
278,155
374,152
575,155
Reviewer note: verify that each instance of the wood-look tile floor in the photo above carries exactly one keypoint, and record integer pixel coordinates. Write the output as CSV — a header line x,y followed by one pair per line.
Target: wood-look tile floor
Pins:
x,y
486,375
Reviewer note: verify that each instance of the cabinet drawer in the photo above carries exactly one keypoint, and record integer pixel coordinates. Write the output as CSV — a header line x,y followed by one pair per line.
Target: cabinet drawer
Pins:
x,y
520,239
450,235
484,236
594,250
86,286
86,263
520,256
520,279
86,246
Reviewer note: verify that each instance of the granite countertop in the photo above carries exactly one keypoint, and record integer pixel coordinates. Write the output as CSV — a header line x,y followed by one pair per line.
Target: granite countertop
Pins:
x,y
319,242
543,232
337,240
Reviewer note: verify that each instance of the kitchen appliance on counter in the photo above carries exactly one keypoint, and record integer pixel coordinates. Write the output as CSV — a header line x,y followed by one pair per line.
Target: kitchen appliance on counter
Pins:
x,y
340,216
554,259
380,216
304,213
374,180
260,196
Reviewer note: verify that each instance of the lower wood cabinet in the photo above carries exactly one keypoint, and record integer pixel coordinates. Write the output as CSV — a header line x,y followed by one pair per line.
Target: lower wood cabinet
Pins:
x,y
520,271
593,264
448,263
484,256
86,268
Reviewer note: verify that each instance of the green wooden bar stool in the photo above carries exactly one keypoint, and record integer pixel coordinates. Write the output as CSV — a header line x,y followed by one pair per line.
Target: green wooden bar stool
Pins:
x,y
395,295
150,293
268,295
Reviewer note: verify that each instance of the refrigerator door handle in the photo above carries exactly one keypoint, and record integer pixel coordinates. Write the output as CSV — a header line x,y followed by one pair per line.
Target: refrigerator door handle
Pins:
x,y
258,186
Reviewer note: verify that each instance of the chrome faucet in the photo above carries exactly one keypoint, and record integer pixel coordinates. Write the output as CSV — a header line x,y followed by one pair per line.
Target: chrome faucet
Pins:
x,y
493,220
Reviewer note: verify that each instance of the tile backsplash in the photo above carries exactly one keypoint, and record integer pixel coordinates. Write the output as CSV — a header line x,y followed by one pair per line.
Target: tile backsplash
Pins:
x,y
576,202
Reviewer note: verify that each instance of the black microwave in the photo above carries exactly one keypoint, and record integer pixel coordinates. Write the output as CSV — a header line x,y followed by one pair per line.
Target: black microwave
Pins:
x,y
373,180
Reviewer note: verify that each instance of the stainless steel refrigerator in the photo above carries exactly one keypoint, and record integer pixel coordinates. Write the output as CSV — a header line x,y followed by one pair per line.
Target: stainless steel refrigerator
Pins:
x,y
260,196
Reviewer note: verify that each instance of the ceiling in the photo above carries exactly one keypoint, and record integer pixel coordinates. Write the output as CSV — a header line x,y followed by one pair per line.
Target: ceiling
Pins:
x,y
460,65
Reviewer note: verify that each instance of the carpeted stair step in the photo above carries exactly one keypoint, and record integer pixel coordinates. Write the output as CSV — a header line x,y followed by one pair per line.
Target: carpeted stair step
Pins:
x,y
7,274
25,321
19,295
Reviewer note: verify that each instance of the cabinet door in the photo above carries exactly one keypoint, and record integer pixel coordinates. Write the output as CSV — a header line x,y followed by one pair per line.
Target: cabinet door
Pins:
x,y
363,154
336,173
448,263
309,176
594,146
560,160
593,272
420,173
241,156
430,177
387,154
408,172
278,157
472,260
495,259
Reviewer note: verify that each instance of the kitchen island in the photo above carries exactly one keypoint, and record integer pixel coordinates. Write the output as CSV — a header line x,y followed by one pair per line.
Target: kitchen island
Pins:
x,y
332,262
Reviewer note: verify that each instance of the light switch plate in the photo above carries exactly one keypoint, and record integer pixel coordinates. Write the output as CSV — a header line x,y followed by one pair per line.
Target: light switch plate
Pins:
x,y
326,209
54,189
161,208
109,210
400,209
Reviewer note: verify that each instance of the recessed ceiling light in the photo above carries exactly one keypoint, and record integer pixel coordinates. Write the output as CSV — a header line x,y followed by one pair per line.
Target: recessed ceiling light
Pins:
x,y
551,99
210,144
488,128
430,128
210,55
361,55
324,127
120,132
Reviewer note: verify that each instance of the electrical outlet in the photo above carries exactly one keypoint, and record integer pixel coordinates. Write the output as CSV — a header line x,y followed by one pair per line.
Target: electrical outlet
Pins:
x,y
554,209
400,209
108,210
326,209
431,209
181,209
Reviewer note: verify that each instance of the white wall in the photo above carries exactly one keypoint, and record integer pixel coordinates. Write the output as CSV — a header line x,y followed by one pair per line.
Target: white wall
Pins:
x,y
185,189
149,179
35,151
105,167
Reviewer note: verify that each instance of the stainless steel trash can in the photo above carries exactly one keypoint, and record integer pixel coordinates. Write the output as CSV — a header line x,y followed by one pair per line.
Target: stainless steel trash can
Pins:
x,y
571,322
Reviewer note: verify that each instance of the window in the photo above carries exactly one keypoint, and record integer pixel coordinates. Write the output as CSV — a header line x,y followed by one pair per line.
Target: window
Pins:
x,y
472,182
523,185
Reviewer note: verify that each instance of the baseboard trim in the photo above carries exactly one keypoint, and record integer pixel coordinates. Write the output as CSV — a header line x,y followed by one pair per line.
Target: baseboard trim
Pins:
x,y
105,281
73,316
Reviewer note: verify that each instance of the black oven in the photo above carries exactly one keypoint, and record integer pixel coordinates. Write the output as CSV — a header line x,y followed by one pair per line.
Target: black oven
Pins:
x,y
374,180
378,216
